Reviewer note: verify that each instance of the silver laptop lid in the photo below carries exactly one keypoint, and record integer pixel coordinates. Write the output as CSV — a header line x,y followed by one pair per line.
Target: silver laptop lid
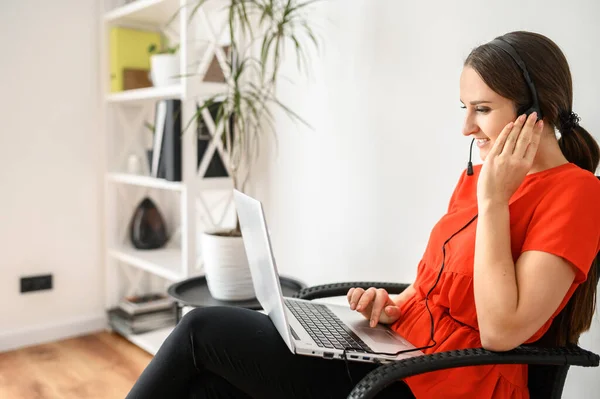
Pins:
x,y
262,263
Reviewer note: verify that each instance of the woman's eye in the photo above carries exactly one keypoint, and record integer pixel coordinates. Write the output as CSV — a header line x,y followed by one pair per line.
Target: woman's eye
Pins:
x,y
483,110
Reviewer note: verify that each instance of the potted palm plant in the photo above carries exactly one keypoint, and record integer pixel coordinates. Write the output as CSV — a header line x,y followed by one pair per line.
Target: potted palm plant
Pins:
x,y
245,115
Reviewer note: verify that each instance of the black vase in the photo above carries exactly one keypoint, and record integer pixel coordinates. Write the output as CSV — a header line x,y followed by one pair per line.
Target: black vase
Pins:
x,y
147,229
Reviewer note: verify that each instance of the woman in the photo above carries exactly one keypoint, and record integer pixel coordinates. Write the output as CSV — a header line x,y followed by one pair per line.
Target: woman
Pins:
x,y
515,247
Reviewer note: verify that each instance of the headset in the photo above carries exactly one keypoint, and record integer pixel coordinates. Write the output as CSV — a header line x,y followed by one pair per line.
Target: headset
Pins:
x,y
527,110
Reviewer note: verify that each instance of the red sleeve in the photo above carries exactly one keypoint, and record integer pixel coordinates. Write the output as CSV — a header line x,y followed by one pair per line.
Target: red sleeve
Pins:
x,y
566,223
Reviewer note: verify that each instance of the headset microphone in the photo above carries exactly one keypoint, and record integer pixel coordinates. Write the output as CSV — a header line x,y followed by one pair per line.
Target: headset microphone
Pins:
x,y
470,164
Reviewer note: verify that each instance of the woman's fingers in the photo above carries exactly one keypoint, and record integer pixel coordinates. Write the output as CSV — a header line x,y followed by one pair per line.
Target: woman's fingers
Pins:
x,y
526,136
381,299
374,304
361,300
533,145
513,135
349,296
392,311
366,299
501,140
355,297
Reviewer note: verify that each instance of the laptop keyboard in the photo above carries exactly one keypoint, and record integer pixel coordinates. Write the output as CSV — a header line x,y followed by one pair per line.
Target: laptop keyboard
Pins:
x,y
324,327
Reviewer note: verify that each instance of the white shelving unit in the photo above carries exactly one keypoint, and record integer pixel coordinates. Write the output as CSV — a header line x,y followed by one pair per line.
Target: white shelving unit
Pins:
x,y
144,181
151,341
188,206
165,263
147,12
146,94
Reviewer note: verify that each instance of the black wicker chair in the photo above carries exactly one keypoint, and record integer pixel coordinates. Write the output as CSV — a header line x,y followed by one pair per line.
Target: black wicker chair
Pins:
x,y
547,369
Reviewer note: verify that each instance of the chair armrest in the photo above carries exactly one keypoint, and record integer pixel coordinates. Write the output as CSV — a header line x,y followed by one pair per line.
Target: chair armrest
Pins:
x,y
378,379
340,289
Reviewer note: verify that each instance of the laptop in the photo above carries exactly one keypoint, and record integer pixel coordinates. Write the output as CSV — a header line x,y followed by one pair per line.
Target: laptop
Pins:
x,y
307,327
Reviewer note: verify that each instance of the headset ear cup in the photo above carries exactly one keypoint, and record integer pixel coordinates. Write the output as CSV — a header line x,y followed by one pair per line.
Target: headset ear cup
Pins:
x,y
529,111
532,110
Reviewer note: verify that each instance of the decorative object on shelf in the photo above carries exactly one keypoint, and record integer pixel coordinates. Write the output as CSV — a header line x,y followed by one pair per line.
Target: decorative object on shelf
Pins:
x,y
134,165
136,78
165,156
139,323
147,229
165,67
244,113
168,164
128,51
153,301
160,117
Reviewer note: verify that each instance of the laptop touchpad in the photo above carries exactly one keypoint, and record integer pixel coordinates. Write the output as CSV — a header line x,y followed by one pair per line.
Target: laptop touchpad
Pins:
x,y
379,335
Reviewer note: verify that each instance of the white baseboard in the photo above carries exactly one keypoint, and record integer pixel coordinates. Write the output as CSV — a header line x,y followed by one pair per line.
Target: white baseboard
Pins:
x,y
20,338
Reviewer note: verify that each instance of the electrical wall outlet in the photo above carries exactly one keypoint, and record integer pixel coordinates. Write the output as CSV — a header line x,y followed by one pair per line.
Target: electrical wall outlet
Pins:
x,y
36,283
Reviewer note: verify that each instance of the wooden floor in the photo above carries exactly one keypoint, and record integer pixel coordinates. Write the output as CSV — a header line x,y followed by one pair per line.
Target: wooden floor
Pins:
x,y
100,366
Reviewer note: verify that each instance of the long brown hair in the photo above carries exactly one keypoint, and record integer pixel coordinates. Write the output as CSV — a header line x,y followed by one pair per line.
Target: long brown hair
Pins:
x,y
550,72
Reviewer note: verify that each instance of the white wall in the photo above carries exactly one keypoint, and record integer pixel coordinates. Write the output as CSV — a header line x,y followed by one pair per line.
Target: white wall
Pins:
x,y
50,175
356,198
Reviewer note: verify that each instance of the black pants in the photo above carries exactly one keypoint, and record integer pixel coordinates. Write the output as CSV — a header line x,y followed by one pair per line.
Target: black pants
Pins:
x,y
229,352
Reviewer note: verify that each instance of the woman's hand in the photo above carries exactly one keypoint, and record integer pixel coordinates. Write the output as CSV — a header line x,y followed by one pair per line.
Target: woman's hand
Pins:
x,y
374,304
509,160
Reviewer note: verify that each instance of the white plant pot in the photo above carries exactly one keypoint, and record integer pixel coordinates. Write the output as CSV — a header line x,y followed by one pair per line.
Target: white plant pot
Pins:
x,y
226,267
164,70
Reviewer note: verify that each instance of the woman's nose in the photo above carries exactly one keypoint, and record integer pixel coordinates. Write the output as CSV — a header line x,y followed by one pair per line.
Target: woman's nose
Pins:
x,y
469,127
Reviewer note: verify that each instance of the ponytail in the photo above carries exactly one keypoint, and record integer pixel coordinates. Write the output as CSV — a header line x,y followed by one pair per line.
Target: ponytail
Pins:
x,y
577,145
576,316
580,148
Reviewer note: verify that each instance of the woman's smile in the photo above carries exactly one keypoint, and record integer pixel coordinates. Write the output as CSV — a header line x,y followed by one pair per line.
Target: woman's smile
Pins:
x,y
482,142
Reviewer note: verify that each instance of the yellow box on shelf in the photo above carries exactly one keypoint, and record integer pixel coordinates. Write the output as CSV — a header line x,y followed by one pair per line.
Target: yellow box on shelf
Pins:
x,y
129,50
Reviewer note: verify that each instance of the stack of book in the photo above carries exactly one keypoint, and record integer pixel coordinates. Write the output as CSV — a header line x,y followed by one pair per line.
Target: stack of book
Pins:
x,y
144,313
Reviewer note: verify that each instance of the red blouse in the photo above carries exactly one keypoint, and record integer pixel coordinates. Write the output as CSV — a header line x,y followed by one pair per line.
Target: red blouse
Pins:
x,y
557,211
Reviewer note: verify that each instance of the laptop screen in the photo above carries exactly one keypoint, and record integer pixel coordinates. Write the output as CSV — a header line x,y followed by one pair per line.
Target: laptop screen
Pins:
x,y
265,277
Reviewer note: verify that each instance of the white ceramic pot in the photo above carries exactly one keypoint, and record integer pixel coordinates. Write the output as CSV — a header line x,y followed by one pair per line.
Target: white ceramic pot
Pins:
x,y
226,267
164,69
